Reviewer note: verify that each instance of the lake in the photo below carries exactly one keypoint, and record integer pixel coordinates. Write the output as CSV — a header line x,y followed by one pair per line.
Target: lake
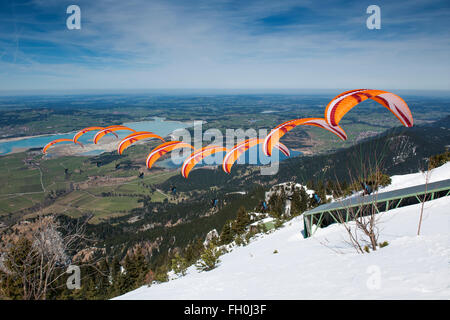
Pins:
x,y
158,126
254,156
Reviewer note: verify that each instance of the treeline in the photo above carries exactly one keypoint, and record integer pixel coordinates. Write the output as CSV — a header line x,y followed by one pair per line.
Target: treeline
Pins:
x,y
106,158
198,218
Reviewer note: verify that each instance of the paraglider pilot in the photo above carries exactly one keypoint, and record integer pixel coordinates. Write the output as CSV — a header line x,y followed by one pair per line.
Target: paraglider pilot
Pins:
x,y
317,198
264,206
367,189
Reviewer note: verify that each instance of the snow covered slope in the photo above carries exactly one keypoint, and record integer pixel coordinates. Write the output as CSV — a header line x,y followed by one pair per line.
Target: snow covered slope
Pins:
x,y
414,179
326,267
410,180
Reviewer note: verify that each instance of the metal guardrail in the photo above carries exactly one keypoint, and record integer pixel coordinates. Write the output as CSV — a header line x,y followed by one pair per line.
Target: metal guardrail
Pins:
x,y
389,200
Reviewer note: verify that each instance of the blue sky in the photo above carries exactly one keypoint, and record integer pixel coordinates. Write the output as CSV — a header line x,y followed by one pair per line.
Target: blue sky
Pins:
x,y
219,44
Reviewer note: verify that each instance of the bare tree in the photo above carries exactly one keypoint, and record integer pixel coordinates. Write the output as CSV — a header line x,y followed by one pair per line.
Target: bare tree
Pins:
x,y
427,179
38,256
361,221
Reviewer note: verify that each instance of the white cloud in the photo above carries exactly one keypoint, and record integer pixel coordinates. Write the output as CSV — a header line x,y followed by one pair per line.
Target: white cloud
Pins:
x,y
207,44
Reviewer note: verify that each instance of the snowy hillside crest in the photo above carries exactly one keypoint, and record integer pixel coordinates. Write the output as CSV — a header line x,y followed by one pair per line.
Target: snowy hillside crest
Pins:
x,y
282,264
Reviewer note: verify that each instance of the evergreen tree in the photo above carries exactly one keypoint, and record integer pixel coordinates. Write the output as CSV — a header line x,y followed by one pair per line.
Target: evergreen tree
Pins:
x,y
226,236
115,276
179,264
321,192
193,251
276,205
89,289
121,285
241,222
20,264
304,200
161,274
299,202
209,258
102,279
135,267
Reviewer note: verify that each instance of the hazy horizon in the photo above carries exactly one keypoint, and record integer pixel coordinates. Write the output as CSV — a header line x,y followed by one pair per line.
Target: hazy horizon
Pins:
x,y
200,91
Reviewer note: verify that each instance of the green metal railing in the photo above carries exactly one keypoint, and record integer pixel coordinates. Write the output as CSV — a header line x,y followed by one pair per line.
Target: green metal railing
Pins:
x,y
345,210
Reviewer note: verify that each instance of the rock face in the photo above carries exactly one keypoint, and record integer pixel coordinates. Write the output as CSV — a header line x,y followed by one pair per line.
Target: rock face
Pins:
x,y
145,247
286,190
210,236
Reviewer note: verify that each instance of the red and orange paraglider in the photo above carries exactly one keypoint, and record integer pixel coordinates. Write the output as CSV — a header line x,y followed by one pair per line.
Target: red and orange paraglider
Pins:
x,y
344,102
134,137
110,129
85,130
335,110
48,145
279,131
232,155
164,148
198,156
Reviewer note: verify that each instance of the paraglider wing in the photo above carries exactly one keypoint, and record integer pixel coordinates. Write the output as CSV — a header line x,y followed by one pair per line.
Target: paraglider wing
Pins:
x,y
283,149
164,148
48,145
132,138
111,129
232,155
344,102
279,131
83,131
198,156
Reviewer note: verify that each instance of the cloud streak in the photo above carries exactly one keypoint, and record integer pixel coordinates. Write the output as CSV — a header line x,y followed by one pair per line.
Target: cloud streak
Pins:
x,y
140,44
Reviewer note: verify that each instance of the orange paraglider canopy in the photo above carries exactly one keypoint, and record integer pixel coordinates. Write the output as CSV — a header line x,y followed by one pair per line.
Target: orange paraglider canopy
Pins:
x,y
283,149
48,145
132,138
198,156
164,148
85,130
344,102
110,129
279,131
232,155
